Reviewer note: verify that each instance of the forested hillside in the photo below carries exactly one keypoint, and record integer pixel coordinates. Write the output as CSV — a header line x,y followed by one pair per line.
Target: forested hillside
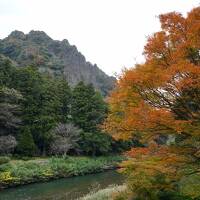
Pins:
x,y
43,115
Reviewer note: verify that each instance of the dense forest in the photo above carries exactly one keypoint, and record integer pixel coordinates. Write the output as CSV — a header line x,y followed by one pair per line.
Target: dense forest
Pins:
x,y
42,115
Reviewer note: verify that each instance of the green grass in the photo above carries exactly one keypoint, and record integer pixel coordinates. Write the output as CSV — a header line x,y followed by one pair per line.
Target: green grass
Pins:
x,y
18,172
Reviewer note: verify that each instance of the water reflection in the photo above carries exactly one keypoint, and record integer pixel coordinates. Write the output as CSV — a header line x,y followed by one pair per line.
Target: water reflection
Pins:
x,y
63,189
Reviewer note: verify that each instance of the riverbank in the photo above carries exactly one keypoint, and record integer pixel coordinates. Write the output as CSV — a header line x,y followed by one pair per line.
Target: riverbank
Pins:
x,y
104,194
19,172
72,188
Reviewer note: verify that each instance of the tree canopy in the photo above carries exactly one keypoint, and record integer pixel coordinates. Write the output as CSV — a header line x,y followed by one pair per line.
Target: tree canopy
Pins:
x,y
33,104
161,98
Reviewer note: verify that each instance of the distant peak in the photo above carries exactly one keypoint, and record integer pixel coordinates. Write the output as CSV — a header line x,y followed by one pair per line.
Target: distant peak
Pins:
x,y
17,34
38,34
66,42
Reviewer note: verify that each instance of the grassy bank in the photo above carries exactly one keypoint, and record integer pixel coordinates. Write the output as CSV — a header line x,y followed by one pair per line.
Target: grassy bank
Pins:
x,y
19,172
104,194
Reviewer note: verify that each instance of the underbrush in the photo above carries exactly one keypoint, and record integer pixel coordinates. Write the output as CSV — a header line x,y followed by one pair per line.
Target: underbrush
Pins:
x,y
19,172
4,159
105,194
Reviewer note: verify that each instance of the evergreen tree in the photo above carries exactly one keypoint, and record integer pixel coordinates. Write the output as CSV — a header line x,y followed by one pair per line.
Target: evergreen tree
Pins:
x,y
26,145
46,102
64,93
39,105
6,71
88,112
95,144
9,110
88,107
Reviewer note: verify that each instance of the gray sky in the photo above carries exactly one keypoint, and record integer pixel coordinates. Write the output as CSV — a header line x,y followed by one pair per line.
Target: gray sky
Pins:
x,y
110,33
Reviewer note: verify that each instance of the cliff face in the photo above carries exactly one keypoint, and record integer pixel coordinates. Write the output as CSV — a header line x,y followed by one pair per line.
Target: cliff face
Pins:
x,y
57,58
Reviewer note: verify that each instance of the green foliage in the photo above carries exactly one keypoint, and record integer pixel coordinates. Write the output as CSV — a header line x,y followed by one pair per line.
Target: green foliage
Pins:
x,y
6,71
73,166
163,195
95,143
22,172
9,103
172,196
9,110
4,159
26,145
64,93
88,112
119,146
88,107
190,185
47,102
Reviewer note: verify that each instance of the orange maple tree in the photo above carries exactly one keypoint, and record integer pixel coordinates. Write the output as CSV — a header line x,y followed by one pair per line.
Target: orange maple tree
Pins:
x,y
162,97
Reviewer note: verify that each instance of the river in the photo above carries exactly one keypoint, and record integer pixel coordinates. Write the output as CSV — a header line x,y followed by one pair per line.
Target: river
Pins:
x,y
63,189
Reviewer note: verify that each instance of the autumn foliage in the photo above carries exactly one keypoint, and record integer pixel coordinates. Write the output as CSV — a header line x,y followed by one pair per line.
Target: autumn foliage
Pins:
x,y
161,98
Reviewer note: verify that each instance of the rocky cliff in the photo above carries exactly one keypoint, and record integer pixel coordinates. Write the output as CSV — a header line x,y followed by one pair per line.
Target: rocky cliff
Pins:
x,y
54,57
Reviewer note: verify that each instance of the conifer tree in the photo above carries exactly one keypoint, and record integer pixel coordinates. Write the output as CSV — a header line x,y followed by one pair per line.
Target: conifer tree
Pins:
x,y
26,145
88,107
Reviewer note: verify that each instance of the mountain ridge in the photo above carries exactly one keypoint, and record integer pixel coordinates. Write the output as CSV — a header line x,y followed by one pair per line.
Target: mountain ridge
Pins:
x,y
58,58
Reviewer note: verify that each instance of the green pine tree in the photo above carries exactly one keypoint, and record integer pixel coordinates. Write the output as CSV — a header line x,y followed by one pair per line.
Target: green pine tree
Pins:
x,y
26,145
88,107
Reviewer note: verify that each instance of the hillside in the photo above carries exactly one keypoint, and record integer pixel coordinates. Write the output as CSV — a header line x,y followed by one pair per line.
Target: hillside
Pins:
x,y
58,58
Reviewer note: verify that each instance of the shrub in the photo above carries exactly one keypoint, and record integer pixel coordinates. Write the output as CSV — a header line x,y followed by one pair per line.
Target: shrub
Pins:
x,y
7,144
44,169
6,177
65,138
4,159
172,196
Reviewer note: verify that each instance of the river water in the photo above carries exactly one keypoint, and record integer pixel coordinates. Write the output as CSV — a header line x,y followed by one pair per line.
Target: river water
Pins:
x,y
63,189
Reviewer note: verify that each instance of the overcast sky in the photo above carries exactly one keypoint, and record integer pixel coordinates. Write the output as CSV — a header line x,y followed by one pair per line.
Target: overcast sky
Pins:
x,y
110,33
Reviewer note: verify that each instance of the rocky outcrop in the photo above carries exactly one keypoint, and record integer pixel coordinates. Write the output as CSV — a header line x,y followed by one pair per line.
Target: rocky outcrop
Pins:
x,y
54,57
